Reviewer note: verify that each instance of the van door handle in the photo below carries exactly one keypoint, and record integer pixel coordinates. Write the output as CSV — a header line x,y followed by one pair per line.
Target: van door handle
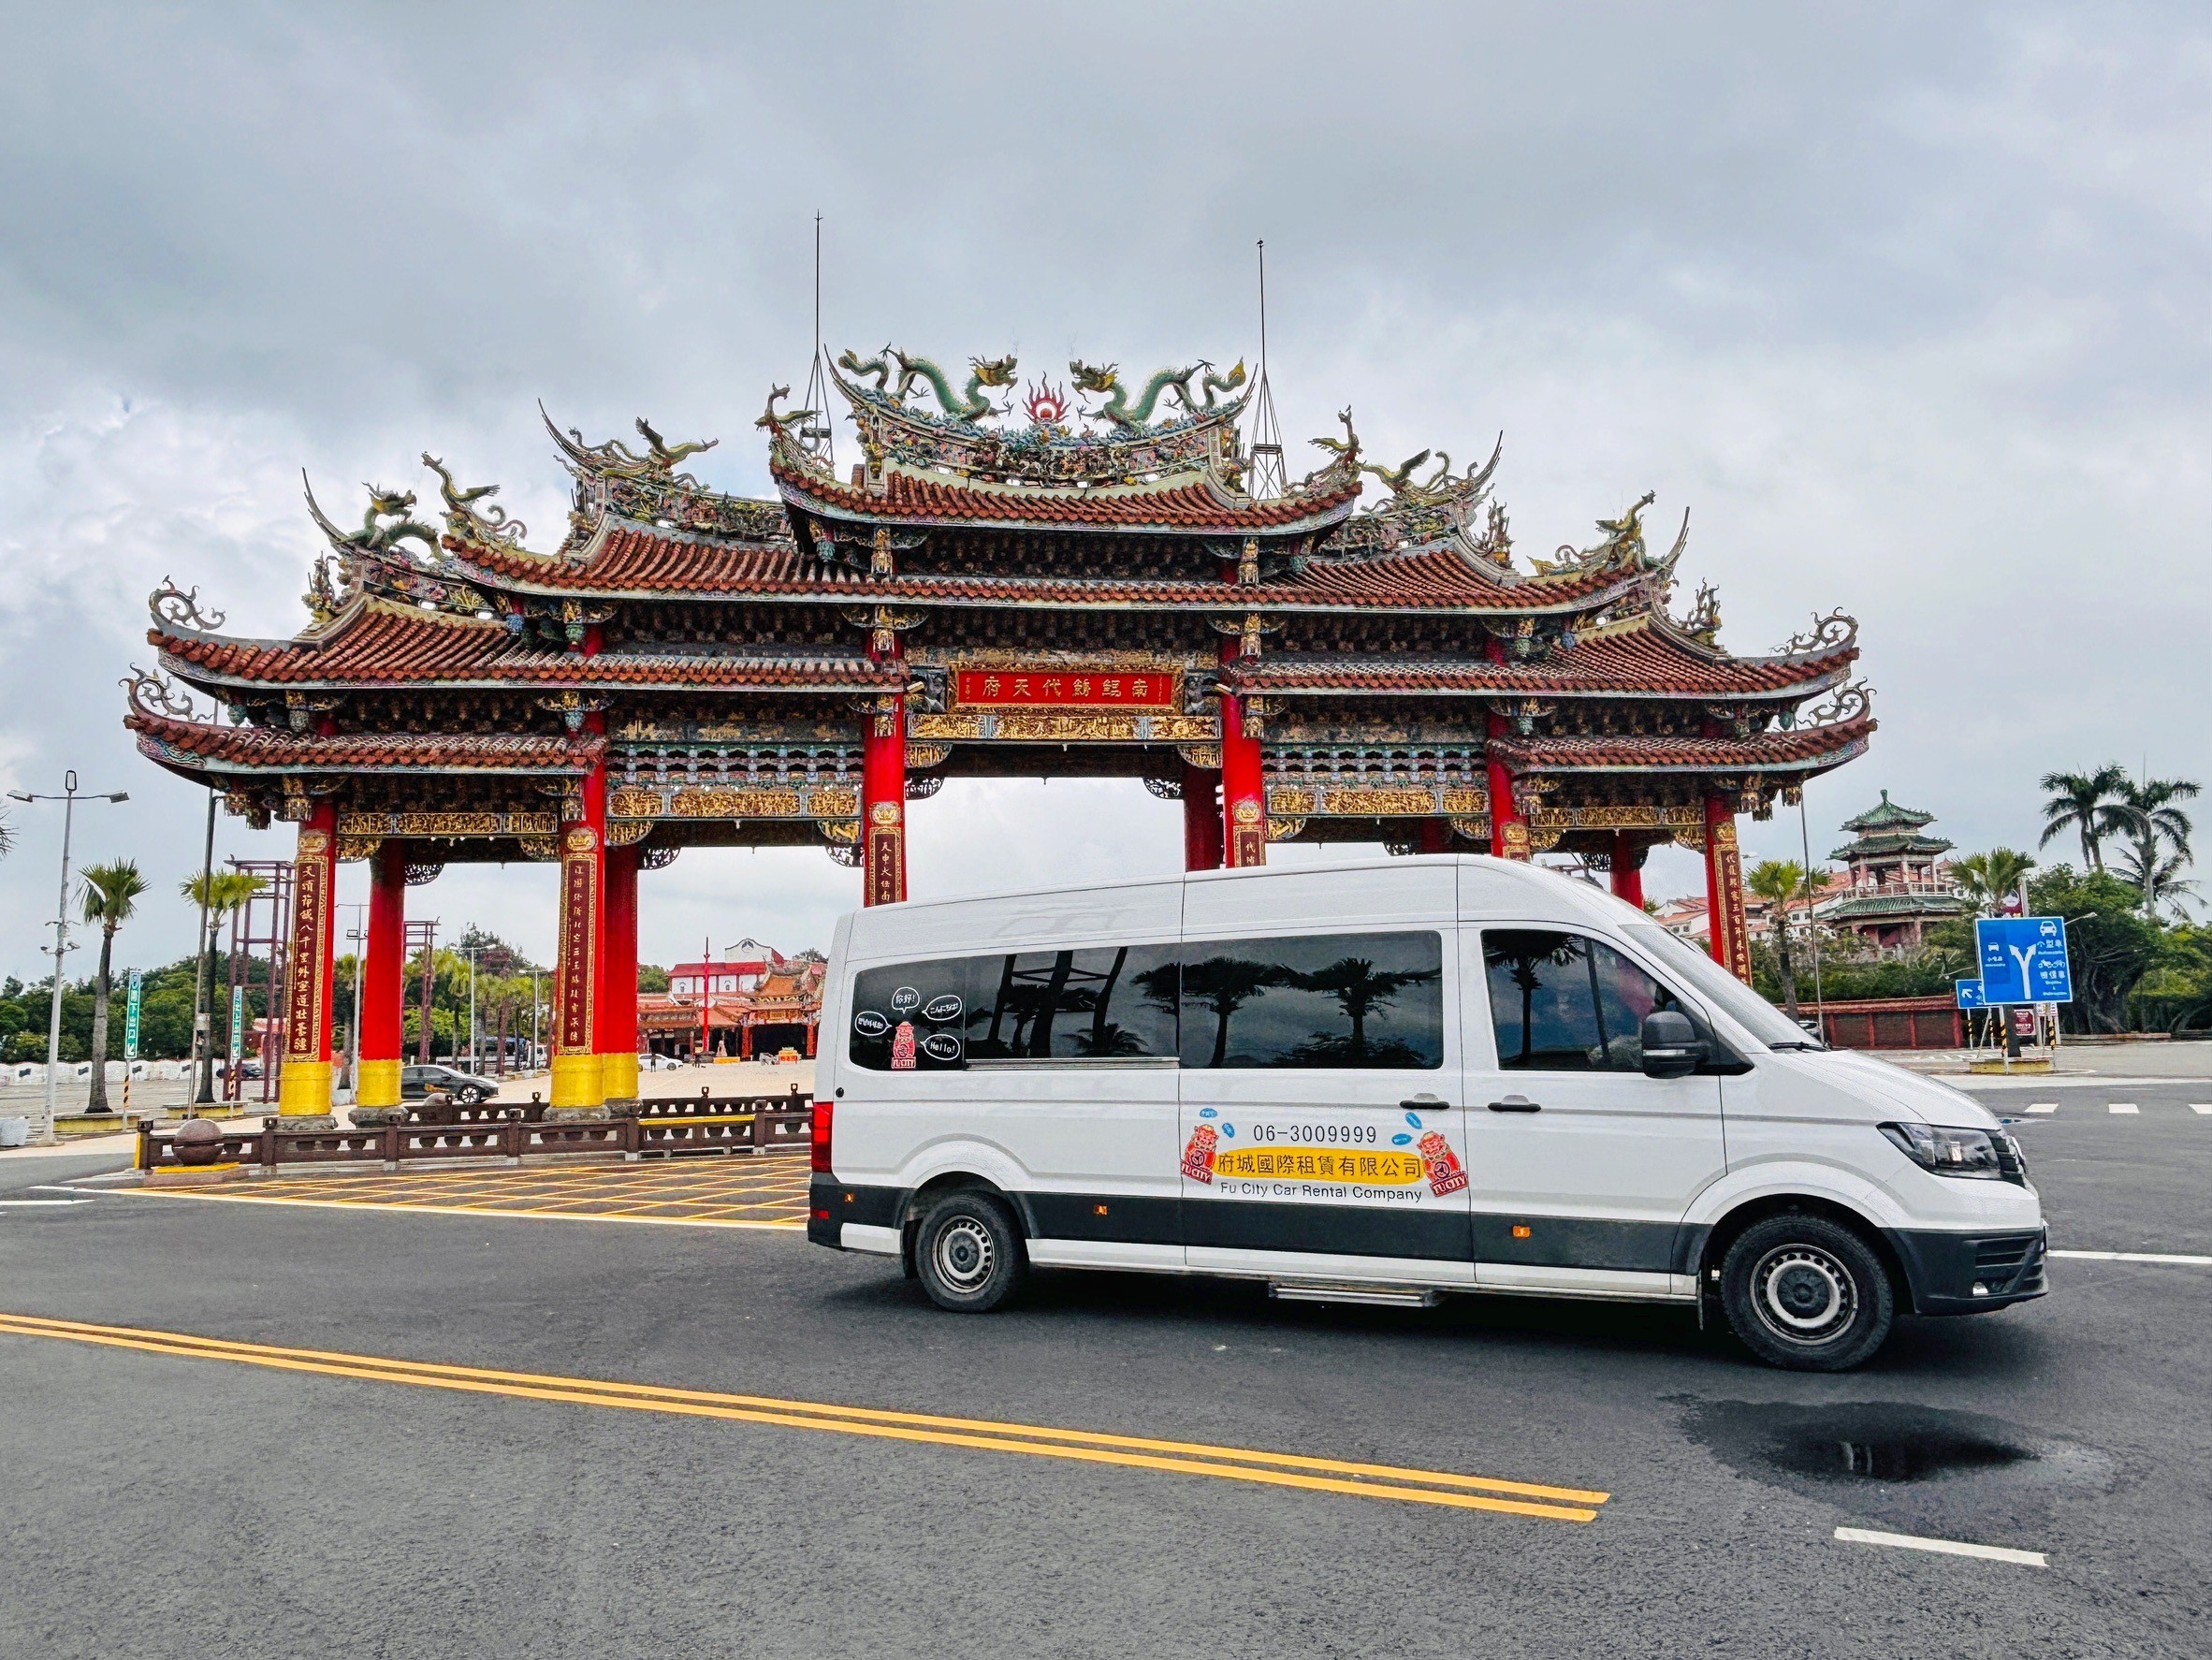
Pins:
x,y
1413,1103
1517,1103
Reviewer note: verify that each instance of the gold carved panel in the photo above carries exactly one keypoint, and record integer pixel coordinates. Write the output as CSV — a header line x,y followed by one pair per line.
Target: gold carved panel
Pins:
x,y
353,822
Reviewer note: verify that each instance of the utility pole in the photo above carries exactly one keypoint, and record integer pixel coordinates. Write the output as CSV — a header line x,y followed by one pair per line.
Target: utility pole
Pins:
x,y
44,1135
201,1091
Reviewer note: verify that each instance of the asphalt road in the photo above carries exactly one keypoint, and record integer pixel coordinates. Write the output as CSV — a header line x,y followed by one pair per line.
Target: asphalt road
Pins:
x,y
153,1503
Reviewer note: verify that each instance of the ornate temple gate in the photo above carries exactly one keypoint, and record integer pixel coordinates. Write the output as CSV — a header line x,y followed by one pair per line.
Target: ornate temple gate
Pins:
x,y
978,597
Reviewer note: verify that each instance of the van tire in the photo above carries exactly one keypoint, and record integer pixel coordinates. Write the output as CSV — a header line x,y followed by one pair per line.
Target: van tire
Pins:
x,y
969,1254
1807,1294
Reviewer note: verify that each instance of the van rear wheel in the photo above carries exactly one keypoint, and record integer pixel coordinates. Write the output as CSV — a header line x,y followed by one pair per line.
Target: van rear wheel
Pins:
x,y
1807,1294
969,1254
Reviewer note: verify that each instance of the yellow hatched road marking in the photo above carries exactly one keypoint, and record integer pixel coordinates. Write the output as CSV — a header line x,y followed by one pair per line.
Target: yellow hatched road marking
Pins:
x,y
452,1209
1274,1469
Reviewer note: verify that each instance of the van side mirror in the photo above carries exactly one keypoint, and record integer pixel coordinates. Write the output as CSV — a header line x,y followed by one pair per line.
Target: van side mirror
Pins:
x,y
1671,1047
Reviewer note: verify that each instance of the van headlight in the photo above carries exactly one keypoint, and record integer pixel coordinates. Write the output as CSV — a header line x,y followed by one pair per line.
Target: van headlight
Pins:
x,y
1979,1154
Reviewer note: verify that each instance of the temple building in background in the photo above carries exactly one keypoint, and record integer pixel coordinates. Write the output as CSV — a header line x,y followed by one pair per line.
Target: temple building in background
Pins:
x,y
757,1005
1134,590
1896,881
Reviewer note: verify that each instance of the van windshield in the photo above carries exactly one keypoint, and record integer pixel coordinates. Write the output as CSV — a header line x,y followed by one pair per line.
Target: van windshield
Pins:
x,y
1754,1014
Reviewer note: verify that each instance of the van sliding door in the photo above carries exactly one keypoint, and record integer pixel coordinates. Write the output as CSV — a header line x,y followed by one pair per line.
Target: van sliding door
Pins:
x,y
1322,1122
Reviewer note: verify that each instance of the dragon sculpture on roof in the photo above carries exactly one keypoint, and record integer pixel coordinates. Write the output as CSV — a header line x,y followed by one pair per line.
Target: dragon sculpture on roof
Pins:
x,y
1127,416
387,522
969,405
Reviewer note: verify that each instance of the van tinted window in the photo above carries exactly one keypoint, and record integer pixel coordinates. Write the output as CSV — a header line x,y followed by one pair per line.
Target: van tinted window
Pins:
x,y
1115,1002
1567,1003
1334,1000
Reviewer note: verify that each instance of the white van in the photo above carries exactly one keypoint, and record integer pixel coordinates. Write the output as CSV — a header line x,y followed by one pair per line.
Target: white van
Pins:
x,y
1379,1081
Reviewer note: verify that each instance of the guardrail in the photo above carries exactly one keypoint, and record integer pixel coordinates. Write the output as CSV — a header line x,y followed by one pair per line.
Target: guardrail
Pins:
x,y
762,1124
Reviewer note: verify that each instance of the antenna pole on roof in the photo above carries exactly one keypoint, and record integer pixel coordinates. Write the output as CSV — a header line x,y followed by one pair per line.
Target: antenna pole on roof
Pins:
x,y
1265,476
818,437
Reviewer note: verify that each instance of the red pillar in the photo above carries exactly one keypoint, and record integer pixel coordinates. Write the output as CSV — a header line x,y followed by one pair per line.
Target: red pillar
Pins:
x,y
883,803
744,1041
1724,887
1508,830
1629,869
577,1083
1201,817
310,965
617,1021
384,972
1243,791
810,1025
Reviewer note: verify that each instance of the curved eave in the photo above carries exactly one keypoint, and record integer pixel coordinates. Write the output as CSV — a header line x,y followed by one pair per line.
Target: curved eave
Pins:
x,y
1802,753
822,500
196,750
1535,684
1362,585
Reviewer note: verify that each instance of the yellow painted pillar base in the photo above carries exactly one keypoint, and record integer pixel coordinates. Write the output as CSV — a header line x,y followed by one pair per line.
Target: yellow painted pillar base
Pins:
x,y
617,1077
578,1081
303,1089
380,1084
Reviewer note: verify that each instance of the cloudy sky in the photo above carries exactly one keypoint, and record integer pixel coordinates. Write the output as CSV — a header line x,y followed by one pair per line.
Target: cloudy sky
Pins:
x,y
1908,303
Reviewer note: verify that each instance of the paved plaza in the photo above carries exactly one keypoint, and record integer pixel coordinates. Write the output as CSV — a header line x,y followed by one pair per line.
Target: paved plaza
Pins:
x,y
567,1433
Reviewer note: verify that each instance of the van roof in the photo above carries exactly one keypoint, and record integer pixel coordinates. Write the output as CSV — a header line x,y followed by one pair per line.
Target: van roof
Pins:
x,y
1556,887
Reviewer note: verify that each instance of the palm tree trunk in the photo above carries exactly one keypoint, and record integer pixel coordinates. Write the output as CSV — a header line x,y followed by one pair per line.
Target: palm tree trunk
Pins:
x,y
98,1101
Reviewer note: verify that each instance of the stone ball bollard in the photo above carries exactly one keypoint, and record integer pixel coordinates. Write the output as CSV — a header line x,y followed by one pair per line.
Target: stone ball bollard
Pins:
x,y
198,1143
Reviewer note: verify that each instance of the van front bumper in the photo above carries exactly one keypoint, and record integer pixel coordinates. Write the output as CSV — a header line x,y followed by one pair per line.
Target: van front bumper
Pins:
x,y
1970,1272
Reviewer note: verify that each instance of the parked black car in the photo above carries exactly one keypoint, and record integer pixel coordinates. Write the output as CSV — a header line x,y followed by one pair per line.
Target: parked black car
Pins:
x,y
417,1081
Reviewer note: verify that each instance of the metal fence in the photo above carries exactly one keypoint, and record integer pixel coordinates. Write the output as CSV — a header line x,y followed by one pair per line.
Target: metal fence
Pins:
x,y
755,1124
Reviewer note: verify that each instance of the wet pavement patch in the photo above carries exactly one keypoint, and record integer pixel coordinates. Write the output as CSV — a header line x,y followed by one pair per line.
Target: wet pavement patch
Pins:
x,y
1852,1443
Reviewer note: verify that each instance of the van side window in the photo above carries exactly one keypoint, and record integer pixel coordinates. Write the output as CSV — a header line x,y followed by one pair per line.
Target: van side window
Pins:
x,y
1113,1002
1332,1002
1567,1003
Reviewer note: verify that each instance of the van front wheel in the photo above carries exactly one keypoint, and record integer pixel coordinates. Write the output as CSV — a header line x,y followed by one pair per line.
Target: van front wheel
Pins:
x,y
969,1253
1806,1293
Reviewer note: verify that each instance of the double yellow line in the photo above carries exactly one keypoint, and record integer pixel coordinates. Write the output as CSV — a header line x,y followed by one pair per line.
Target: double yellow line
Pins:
x,y
1191,1458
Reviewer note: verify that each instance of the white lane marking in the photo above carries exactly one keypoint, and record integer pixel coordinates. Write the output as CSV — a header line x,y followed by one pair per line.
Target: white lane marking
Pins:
x,y
1863,1535
2123,1107
2045,1107
2203,1109
2134,1257
18,1204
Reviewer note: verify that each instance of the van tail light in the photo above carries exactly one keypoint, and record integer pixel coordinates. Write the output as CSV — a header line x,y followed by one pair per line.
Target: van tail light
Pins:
x,y
820,1147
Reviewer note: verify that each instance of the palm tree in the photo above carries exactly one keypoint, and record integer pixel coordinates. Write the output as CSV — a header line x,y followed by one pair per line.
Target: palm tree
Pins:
x,y
111,892
218,893
1359,989
2151,819
1222,986
1986,881
2159,878
2089,803
1777,882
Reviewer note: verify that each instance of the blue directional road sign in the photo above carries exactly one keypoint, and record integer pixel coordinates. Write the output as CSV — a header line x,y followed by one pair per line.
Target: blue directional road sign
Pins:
x,y
1969,994
2023,959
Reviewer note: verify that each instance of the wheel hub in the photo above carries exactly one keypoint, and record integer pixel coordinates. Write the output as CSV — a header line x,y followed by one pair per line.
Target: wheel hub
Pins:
x,y
964,1254
1803,1294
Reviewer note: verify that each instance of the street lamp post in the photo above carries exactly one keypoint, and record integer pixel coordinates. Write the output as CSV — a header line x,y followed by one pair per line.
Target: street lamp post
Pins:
x,y
359,936
45,1135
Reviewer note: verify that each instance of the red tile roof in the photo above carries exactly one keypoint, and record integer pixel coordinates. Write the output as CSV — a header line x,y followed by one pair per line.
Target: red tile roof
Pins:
x,y
1821,746
259,749
384,645
1184,507
1637,661
643,561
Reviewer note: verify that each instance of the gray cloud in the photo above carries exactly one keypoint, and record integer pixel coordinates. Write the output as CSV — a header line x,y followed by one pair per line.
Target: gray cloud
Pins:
x,y
1908,303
